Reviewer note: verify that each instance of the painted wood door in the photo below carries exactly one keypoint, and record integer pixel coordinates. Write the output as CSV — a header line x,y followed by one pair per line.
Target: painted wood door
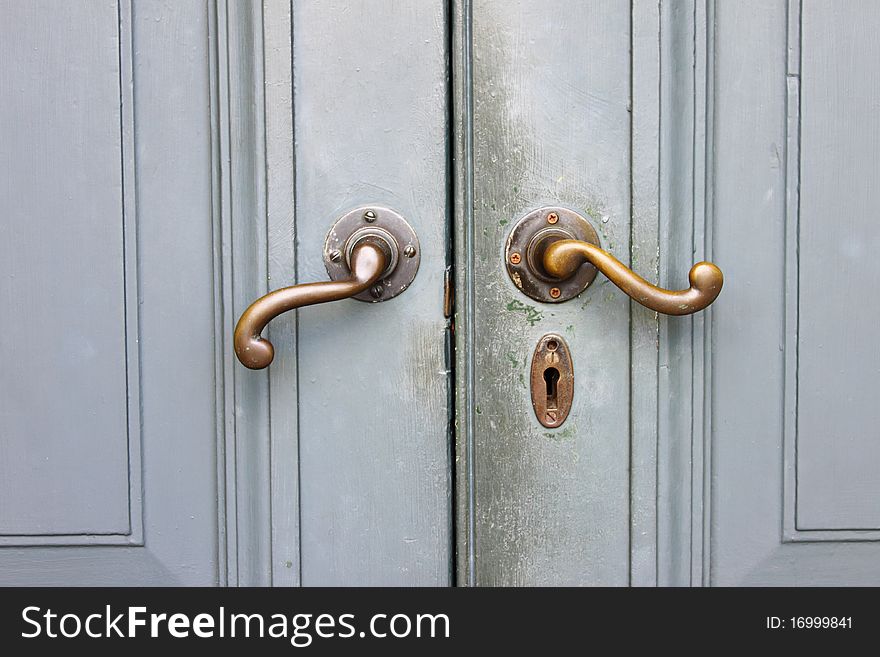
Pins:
x,y
738,446
161,166
164,164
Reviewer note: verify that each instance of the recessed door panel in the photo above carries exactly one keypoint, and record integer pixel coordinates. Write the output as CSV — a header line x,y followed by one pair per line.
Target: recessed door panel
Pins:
x,y
64,415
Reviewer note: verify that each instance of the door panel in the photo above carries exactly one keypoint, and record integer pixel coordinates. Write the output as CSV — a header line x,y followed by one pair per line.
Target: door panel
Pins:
x,y
166,164
107,431
795,367
70,352
838,362
733,447
550,126
163,166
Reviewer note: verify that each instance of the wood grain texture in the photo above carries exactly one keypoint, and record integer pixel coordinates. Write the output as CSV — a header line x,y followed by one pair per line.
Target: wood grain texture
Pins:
x,y
551,92
172,165
245,270
370,110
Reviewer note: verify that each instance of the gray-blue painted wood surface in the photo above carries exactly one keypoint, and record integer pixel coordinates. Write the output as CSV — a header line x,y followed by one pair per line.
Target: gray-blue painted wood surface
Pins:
x,y
546,104
163,164
795,366
108,440
749,445
371,127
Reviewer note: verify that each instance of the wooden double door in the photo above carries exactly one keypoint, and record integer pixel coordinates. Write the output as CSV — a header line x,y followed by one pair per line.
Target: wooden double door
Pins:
x,y
164,164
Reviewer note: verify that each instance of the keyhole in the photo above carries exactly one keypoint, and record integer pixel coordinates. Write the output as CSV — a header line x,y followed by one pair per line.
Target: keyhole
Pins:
x,y
551,376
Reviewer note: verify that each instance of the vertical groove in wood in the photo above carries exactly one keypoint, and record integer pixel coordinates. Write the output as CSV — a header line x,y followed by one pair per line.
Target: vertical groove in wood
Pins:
x,y
464,285
645,154
244,262
681,199
224,419
277,54
228,306
792,266
132,278
704,217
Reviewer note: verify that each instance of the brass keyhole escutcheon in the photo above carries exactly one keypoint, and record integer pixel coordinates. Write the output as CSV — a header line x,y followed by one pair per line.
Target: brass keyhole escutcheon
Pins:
x,y
552,381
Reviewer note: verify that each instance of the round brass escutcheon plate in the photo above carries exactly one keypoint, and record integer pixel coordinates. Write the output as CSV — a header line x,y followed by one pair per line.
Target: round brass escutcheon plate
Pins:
x,y
525,249
377,224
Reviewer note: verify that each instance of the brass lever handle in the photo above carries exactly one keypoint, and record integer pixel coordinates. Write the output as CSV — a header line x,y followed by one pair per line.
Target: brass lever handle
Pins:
x,y
563,258
553,255
371,254
368,261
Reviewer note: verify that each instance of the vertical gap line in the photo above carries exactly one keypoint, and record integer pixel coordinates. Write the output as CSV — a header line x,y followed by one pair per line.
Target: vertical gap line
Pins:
x,y
657,321
708,218
296,331
449,336
259,81
632,240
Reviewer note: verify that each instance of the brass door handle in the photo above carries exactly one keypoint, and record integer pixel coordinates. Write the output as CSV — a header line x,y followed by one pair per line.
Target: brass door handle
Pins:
x,y
371,254
553,254
368,261
563,258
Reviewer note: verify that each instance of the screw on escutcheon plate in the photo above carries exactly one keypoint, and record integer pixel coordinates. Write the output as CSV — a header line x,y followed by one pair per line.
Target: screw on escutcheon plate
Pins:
x,y
515,258
369,216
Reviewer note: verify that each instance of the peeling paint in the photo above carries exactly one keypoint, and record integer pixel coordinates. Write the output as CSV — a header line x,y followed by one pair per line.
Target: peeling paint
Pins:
x,y
558,436
532,314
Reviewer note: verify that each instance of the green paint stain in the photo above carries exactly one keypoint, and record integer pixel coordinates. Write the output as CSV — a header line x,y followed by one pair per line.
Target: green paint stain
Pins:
x,y
503,222
520,367
478,410
559,436
532,314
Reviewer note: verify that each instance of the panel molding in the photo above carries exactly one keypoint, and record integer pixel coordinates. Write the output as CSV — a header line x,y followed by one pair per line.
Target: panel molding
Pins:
x,y
463,205
252,116
685,225
172,77
791,532
135,534
645,98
